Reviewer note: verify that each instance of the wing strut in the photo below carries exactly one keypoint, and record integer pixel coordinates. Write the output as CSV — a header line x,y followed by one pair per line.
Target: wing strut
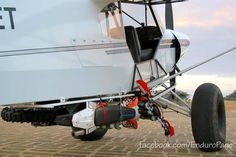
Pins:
x,y
199,64
191,67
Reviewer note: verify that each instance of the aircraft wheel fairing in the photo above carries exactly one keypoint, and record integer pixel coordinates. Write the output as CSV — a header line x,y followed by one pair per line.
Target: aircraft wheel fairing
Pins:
x,y
208,118
93,136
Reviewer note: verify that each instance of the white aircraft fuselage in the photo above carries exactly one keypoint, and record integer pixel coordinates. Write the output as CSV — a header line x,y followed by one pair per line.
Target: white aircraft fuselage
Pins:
x,y
51,51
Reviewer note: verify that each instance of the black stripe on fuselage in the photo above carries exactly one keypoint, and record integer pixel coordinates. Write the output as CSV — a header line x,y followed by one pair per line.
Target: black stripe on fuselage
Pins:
x,y
163,45
60,49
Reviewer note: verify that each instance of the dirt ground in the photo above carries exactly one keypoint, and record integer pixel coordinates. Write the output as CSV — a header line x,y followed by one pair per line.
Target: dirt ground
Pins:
x,y
148,141
230,105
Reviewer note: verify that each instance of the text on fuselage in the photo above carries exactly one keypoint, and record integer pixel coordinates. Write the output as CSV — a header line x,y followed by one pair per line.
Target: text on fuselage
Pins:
x,y
8,14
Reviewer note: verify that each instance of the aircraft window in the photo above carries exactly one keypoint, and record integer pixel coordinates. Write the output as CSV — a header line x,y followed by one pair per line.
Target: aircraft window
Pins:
x,y
142,17
143,40
111,22
159,10
145,70
148,71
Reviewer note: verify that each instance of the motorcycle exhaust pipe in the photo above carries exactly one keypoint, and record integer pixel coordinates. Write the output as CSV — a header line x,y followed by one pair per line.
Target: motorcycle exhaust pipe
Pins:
x,y
78,133
111,114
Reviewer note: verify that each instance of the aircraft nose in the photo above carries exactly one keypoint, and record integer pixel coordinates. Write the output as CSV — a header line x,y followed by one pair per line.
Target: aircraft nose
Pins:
x,y
184,41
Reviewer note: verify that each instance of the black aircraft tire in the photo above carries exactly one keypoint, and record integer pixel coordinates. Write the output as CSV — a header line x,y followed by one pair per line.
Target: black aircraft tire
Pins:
x,y
93,136
208,118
